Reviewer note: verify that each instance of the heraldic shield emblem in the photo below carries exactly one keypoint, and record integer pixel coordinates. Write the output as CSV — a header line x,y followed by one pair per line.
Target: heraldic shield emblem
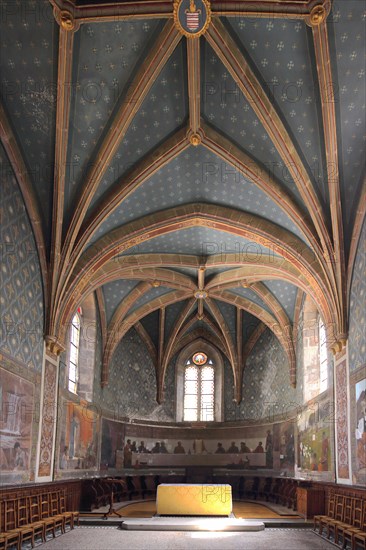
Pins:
x,y
192,17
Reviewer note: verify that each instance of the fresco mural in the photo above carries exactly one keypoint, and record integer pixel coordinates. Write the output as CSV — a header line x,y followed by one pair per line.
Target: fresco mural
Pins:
x,y
79,438
360,429
284,446
112,441
314,441
16,406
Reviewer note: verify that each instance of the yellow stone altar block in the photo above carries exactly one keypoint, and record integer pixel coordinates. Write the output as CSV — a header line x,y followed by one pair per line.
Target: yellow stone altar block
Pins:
x,y
194,499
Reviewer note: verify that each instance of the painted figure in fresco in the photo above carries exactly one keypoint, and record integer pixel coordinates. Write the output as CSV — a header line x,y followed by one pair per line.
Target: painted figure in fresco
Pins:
x,y
259,448
156,448
142,448
163,449
220,449
269,449
179,449
74,435
313,462
199,446
361,429
244,448
324,461
133,447
64,458
233,448
20,458
127,454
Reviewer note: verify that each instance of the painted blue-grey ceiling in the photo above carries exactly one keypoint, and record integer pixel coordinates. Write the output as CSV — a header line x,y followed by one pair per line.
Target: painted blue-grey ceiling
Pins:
x,y
197,175
148,297
151,325
162,112
171,315
285,293
114,293
199,241
346,26
250,323
229,313
225,107
105,56
282,54
250,295
29,89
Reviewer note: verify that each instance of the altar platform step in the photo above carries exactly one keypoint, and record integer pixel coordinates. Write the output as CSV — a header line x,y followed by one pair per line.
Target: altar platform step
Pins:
x,y
191,524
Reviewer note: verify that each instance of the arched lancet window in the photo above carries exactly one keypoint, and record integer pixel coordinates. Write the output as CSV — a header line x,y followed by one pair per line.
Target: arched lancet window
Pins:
x,y
199,389
74,352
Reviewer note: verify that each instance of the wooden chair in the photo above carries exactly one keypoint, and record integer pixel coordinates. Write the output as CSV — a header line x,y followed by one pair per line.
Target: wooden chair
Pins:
x,y
25,527
71,516
9,534
354,524
358,527
330,514
359,540
337,516
51,521
34,516
347,518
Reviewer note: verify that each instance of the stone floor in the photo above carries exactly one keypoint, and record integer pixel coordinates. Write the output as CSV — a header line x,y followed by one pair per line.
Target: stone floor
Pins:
x,y
112,538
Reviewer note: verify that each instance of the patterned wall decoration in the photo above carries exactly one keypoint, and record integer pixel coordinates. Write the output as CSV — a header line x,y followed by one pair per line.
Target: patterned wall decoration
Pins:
x,y
162,112
357,318
225,107
29,86
283,55
16,422
315,435
346,25
341,411
197,175
106,55
131,390
21,297
49,416
266,384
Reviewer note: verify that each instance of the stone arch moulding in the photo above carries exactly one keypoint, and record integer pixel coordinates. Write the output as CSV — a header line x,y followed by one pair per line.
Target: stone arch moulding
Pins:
x,y
211,351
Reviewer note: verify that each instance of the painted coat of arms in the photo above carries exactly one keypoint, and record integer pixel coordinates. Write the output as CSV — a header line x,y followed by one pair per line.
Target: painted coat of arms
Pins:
x,y
192,17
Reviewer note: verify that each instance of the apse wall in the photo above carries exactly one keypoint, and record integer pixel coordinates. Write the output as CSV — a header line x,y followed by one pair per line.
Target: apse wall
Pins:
x,y
21,334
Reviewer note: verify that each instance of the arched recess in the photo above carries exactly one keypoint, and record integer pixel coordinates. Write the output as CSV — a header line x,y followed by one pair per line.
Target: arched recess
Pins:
x,y
211,351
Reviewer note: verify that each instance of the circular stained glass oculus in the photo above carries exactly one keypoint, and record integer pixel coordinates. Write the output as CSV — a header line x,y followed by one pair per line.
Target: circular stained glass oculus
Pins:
x,y
199,358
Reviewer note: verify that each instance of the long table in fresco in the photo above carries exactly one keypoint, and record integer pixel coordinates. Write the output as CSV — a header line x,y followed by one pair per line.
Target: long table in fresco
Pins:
x,y
246,460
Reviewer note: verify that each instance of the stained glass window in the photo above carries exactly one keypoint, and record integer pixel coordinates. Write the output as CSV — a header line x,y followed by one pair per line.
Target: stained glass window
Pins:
x,y
74,353
199,389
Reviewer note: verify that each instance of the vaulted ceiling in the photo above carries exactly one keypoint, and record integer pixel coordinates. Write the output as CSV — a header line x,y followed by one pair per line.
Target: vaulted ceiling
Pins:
x,y
200,186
